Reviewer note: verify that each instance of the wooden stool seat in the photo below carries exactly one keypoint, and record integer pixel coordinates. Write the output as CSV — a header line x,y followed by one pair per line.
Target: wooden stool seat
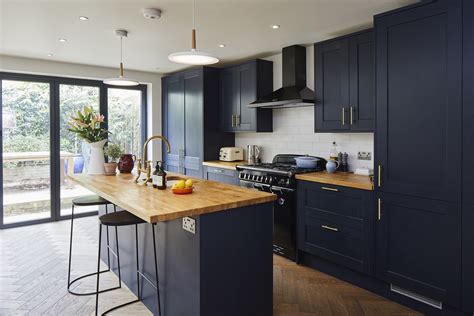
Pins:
x,y
90,200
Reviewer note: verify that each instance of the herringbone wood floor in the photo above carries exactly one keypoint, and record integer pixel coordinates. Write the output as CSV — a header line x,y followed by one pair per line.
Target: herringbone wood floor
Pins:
x,y
33,267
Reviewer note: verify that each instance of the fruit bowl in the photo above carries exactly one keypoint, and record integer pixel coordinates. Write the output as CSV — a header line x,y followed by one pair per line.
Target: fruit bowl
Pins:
x,y
182,191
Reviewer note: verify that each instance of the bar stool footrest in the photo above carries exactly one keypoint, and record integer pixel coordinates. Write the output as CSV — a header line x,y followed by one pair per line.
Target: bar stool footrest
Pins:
x,y
120,306
90,293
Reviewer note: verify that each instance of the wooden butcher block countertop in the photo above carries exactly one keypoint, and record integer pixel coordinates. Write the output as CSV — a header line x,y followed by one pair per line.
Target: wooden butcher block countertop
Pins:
x,y
153,205
224,164
342,179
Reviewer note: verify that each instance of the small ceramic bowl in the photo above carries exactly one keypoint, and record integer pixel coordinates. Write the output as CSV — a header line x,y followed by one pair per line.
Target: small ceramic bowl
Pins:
x,y
183,191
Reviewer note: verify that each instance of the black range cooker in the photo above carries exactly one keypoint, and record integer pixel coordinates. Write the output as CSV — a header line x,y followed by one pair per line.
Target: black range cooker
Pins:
x,y
278,177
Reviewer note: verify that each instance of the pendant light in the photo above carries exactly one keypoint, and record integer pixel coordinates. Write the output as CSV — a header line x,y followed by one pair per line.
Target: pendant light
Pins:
x,y
121,80
193,57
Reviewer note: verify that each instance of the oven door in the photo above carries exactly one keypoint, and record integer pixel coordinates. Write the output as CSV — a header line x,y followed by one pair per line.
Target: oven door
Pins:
x,y
284,218
284,222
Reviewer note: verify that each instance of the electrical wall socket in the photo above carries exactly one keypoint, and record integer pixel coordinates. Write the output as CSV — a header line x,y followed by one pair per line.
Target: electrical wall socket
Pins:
x,y
364,155
189,224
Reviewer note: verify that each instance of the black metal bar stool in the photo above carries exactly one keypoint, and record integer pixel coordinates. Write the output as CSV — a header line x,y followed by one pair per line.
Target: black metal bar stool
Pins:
x,y
125,218
92,200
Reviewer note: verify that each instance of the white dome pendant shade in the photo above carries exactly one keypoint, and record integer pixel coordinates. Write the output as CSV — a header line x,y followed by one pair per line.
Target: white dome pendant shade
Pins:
x,y
193,56
121,80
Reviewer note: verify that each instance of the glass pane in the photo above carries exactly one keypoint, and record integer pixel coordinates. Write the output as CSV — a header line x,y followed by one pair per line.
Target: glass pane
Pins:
x,y
26,151
124,119
73,151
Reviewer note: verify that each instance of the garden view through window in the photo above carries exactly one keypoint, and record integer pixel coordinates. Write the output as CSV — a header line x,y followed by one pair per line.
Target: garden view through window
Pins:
x,y
26,144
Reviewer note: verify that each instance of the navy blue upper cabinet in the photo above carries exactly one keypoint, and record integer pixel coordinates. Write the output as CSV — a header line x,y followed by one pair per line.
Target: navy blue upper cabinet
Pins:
x,y
362,82
344,83
418,94
239,86
468,154
190,101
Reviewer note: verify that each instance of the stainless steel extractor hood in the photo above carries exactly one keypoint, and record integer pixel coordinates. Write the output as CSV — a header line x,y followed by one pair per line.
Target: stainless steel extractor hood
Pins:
x,y
294,92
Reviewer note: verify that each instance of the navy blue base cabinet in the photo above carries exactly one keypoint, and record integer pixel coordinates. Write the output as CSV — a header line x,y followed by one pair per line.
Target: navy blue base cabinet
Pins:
x,y
344,83
190,102
221,175
337,224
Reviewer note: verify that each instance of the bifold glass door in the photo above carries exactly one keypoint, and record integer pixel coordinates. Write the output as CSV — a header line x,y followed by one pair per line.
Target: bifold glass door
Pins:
x,y
73,155
26,151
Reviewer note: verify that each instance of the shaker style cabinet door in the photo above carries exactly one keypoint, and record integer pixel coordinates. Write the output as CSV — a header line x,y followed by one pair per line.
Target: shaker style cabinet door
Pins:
x,y
418,91
418,246
247,82
362,82
173,120
194,123
332,85
228,100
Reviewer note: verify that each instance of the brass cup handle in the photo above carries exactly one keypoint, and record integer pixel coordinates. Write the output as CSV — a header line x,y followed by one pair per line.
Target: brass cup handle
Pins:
x,y
330,189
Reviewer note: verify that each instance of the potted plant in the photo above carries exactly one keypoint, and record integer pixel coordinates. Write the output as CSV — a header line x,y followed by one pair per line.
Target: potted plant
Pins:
x,y
113,152
87,124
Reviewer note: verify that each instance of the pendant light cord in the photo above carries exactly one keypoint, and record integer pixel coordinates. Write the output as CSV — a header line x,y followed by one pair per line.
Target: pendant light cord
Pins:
x,y
121,53
194,14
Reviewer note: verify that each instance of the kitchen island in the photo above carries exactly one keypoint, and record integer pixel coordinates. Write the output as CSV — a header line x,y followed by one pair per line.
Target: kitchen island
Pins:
x,y
223,268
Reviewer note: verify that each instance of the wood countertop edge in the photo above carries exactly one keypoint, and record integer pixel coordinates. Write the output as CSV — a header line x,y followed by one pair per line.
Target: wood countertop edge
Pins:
x,y
178,214
313,177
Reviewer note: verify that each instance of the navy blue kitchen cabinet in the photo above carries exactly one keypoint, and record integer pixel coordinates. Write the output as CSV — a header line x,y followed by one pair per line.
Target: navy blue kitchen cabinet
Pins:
x,y
468,155
241,85
337,224
221,175
190,104
344,83
418,149
419,100
418,246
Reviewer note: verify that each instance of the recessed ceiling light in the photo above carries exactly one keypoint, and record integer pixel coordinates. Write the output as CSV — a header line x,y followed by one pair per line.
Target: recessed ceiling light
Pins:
x,y
83,18
276,26
62,40
50,55
221,45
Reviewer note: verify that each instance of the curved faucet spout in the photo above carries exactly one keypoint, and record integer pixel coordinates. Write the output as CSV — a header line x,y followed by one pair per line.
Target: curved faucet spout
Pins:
x,y
150,139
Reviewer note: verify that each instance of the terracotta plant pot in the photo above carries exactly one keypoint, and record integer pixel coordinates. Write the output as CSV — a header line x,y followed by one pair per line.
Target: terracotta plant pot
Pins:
x,y
110,167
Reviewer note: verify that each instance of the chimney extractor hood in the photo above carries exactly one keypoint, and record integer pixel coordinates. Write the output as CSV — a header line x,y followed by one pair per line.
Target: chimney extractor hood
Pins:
x,y
294,92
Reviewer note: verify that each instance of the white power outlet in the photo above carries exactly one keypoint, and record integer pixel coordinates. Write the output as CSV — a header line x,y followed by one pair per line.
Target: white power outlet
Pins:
x,y
189,224
364,155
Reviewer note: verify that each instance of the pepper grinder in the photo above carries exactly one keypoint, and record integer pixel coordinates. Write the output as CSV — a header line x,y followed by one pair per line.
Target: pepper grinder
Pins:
x,y
344,165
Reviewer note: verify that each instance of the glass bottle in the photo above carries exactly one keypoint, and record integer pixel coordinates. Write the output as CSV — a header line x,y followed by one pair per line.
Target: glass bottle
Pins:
x,y
161,178
333,154
155,176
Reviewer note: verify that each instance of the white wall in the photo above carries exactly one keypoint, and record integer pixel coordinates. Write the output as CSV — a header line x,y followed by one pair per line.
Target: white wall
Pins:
x,y
293,128
60,69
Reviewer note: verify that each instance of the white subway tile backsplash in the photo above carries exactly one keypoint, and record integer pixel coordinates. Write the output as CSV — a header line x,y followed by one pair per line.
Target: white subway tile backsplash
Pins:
x,y
293,133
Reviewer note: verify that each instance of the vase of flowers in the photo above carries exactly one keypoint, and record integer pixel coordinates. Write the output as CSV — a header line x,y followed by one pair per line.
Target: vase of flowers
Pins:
x,y
113,153
87,124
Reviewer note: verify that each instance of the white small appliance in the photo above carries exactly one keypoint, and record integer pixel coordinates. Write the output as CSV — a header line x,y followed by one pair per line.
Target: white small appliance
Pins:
x,y
231,154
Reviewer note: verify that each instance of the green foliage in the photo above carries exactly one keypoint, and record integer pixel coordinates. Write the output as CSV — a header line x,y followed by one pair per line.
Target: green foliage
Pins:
x,y
87,125
22,143
113,151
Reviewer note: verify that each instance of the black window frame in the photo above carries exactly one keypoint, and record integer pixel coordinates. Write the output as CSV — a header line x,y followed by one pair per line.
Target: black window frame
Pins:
x,y
54,104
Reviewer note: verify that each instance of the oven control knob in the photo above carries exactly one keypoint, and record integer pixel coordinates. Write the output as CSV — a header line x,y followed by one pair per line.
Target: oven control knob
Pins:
x,y
264,179
259,179
281,201
288,182
247,176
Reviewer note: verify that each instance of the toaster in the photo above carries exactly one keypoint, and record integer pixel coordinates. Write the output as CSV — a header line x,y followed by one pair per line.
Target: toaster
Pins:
x,y
231,154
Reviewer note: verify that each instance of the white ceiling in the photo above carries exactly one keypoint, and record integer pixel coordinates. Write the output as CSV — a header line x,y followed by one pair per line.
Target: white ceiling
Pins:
x,y
31,28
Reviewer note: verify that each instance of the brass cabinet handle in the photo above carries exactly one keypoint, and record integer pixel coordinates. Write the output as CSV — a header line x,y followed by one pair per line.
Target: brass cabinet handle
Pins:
x,y
237,120
379,176
330,228
233,120
350,117
343,116
330,189
379,215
